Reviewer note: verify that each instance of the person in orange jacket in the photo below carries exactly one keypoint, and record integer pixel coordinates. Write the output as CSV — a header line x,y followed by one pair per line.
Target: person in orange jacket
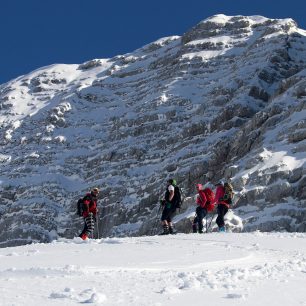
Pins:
x,y
89,213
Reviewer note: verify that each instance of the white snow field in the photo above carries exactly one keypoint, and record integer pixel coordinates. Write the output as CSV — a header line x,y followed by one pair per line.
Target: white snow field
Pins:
x,y
184,269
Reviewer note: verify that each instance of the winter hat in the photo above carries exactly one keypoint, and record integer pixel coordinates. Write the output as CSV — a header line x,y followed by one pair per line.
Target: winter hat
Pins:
x,y
95,190
199,186
220,183
172,182
208,185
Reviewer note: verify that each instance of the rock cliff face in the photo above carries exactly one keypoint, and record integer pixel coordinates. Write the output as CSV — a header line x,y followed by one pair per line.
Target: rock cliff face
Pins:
x,y
225,100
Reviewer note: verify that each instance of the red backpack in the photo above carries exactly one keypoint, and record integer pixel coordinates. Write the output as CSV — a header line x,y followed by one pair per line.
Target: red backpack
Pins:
x,y
210,196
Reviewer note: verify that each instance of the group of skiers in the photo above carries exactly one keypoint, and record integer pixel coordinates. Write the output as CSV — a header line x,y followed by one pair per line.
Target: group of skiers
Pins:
x,y
206,201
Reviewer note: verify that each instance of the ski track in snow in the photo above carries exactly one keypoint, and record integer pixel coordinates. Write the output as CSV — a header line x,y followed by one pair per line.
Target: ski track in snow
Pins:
x,y
229,268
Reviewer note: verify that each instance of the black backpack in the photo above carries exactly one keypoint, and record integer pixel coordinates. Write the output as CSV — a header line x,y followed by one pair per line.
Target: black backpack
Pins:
x,y
80,207
177,202
80,204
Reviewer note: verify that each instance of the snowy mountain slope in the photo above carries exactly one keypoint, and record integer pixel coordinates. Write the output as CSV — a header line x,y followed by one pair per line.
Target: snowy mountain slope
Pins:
x,y
225,100
215,269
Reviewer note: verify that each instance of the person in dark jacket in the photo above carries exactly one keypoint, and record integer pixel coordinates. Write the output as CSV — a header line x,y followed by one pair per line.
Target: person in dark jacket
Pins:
x,y
170,204
223,206
89,213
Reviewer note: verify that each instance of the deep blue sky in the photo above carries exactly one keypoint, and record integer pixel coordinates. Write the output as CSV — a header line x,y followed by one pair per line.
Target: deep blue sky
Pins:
x,y
36,33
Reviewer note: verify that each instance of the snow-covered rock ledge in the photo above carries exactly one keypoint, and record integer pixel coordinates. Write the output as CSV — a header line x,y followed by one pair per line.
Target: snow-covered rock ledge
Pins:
x,y
226,100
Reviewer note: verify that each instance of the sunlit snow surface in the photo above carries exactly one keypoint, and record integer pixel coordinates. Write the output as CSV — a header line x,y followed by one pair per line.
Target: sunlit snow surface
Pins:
x,y
184,269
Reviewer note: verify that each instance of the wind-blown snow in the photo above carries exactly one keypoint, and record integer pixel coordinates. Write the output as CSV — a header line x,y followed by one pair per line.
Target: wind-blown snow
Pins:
x,y
209,269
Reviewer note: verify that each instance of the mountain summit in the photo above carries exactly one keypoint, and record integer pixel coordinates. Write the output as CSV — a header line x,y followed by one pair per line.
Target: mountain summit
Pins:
x,y
224,100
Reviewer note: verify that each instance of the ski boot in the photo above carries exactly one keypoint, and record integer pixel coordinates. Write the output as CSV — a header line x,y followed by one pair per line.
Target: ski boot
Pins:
x,y
166,230
84,236
222,229
171,230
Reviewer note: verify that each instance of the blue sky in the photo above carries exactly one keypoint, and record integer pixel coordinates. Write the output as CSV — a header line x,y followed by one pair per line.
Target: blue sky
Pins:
x,y
36,33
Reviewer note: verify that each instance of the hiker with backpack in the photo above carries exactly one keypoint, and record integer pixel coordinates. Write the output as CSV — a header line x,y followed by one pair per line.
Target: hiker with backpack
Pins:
x,y
87,208
170,203
224,195
205,201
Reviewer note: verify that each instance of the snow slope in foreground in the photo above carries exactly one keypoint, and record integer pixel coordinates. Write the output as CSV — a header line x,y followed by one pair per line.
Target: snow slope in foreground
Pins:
x,y
210,269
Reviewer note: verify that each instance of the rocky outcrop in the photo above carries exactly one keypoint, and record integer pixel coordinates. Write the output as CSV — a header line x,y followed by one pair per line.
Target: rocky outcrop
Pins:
x,y
225,100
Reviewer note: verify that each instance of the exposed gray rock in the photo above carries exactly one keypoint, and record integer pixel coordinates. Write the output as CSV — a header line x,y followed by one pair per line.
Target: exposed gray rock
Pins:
x,y
90,64
196,108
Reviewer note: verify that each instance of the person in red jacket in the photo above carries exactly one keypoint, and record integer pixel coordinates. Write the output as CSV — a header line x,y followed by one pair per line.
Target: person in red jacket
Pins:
x,y
205,204
89,213
223,206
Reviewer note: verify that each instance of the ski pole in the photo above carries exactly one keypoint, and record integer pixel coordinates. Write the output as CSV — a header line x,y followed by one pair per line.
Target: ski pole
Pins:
x,y
157,218
92,225
193,224
210,221
156,222
206,224
97,220
183,199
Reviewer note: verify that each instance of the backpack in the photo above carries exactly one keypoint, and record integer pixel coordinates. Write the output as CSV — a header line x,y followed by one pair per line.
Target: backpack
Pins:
x,y
210,196
177,203
228,193
80,208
